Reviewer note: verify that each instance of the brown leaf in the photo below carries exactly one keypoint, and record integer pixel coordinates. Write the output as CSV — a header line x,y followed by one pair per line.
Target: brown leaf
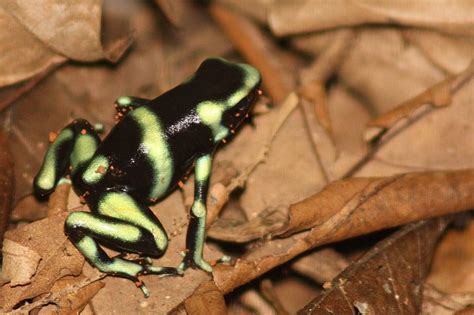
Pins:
x,y
74,302
265,223
6,185
357,206
19,263
71,32
59,258
371,213
388,279
439,95
206,299
447,16
453,263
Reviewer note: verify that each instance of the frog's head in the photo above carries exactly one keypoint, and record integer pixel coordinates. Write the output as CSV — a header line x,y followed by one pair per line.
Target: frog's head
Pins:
x,y
232,90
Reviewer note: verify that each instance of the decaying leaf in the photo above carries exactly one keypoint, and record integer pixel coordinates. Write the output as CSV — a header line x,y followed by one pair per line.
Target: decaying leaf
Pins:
x,y
72,32
266,223
58,258
439,95
356,206
19,263
75,301
455,252
388,279
207,299
447,16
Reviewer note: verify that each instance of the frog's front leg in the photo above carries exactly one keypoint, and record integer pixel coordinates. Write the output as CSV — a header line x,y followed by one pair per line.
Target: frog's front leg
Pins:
x,y
195,236
118,220
125,104
72,148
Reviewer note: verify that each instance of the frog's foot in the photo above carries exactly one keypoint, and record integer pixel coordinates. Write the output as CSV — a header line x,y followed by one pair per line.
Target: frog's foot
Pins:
x,y
190,262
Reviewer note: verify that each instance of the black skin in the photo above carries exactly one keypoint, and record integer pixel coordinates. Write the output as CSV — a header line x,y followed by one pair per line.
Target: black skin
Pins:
x,y
130,173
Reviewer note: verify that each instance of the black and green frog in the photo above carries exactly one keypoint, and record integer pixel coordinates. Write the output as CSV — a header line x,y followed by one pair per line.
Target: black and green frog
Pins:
x,y
143,158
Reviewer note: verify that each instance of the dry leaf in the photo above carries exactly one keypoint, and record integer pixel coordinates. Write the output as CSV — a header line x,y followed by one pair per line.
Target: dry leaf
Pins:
x,y
356,206
388,279
206,299
71,32
265,223
314,15
453,264
59,258
19,263
74,302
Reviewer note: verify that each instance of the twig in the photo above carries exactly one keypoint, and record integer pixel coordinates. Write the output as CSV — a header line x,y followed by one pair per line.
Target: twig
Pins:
x,y
386,127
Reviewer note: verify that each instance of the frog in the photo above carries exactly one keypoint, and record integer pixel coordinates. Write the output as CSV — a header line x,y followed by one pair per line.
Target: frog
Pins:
x,y
153,146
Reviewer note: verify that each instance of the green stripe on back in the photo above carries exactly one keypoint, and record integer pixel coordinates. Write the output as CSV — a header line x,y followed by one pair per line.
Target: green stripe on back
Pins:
x,y
155,146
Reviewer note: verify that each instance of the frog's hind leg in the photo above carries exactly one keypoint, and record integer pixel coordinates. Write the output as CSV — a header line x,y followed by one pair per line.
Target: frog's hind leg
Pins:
x,y
119,220
73,146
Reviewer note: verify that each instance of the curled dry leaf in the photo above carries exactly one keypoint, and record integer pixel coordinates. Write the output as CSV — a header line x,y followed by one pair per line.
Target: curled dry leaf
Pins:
x,y
75,301
356,206
6,185
71,32
315,15
350,208
265,223
388,279
58,258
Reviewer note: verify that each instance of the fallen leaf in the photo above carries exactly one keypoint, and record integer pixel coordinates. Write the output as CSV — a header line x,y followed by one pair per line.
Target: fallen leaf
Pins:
x,y
58,258
448,16
388,279
74,302
19,263
453,263
357,206
71,32
264,224
206,299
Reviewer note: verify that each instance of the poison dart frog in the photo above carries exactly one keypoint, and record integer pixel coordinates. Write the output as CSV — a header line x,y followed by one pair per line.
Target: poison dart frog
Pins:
x,y
146,154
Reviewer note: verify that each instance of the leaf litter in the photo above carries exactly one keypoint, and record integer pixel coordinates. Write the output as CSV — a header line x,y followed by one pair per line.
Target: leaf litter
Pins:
x,y
292,172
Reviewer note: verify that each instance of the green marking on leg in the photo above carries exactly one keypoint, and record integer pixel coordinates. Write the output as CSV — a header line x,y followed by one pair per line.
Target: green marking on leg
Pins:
x,y
89,248
84,149
123,207
46,178
128,232
96,170
203,168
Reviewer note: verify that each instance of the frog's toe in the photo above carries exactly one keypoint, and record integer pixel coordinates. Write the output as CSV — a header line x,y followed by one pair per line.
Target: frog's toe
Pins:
x,y
195,264
162,271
